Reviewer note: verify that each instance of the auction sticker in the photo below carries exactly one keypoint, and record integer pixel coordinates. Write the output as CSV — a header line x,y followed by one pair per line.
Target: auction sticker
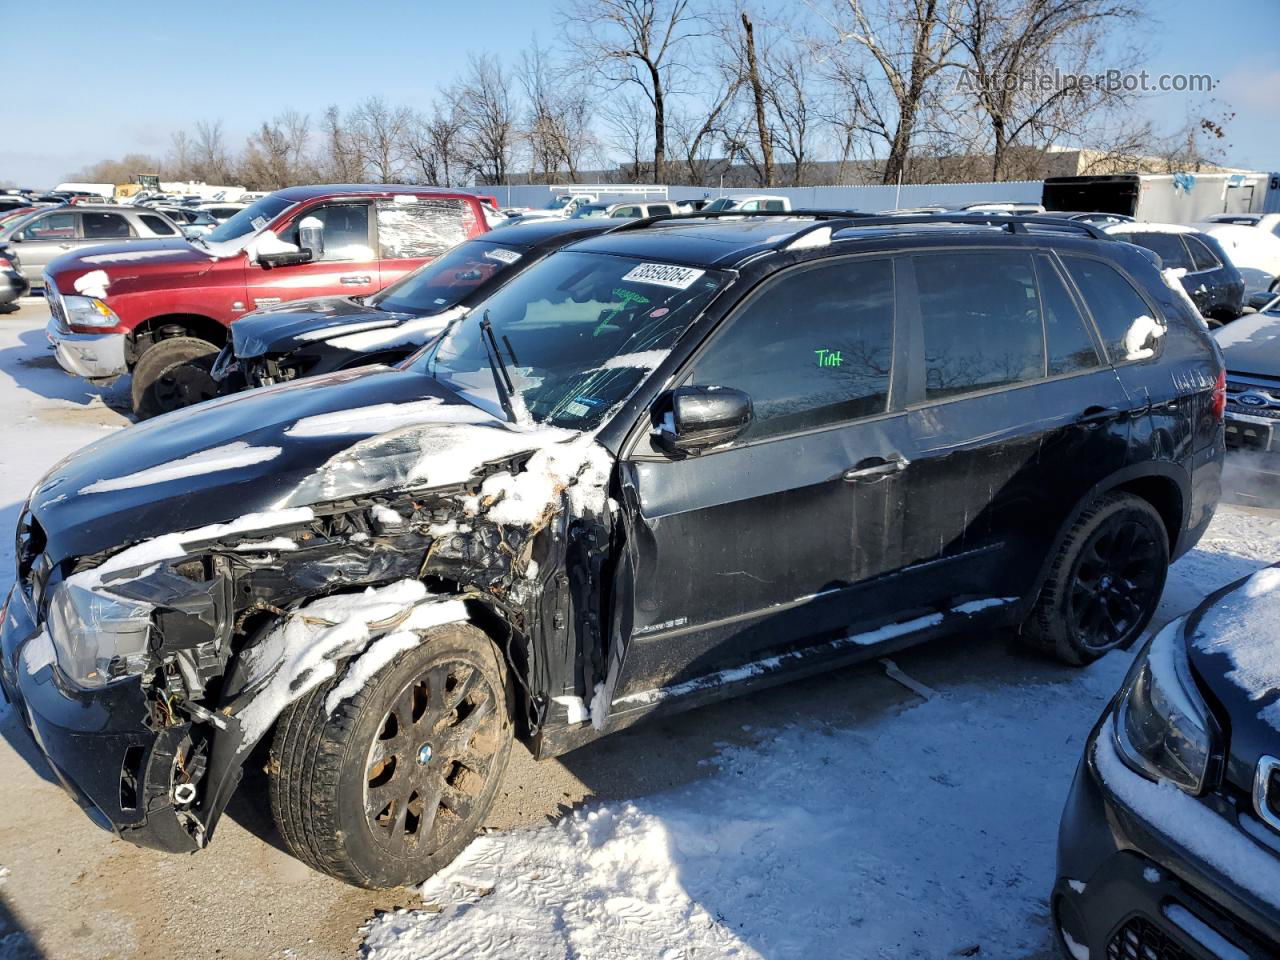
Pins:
x,y
502,255
664,275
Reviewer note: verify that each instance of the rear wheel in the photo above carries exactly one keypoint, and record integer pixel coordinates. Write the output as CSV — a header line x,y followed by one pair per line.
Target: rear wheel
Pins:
x,y
1105,582
173,374
393,784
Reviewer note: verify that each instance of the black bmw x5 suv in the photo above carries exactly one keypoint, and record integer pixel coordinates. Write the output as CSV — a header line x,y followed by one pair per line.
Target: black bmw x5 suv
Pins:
x,y
666,464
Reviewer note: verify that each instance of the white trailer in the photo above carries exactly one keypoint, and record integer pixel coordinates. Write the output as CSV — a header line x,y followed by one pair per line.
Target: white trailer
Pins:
x,y
1160,198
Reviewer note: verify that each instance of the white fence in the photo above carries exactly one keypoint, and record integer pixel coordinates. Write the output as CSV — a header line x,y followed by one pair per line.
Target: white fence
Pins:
x,y
871,198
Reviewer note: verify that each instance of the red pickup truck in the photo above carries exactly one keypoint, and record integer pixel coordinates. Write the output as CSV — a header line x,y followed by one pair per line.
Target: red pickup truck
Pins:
x,y
161,308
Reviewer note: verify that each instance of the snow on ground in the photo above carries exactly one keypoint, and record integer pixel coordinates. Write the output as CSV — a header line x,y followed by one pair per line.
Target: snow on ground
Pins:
x,y
921,835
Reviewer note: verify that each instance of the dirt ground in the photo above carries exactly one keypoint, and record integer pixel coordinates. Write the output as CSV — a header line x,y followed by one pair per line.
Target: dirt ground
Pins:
x,y
72,892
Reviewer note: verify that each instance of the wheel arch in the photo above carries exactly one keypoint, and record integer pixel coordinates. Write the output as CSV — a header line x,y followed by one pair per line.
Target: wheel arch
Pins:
x,y
154,329
1163,485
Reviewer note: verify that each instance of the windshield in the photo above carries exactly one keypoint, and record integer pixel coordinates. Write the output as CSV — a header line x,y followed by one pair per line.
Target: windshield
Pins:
x,y
11,225
440,284
558,203
577,332
250,220
591,211
724,203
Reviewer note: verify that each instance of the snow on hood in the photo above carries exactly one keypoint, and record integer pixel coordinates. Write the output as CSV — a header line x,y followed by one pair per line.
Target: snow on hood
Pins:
x,y
1245,625
227,457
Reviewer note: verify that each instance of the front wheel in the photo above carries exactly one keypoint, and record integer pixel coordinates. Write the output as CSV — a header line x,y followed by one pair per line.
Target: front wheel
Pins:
x,y
1105,582
391,786
173,374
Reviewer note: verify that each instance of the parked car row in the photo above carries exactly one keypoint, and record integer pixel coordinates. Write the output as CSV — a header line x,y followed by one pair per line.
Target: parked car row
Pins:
x,y
596,470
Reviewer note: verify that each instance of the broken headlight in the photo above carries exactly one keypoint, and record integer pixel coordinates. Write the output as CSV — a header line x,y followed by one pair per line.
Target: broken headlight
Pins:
x,y
97,638
1162,726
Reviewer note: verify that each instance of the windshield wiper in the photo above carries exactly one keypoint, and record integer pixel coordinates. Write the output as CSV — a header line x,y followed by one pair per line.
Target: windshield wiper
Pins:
x,y
501,379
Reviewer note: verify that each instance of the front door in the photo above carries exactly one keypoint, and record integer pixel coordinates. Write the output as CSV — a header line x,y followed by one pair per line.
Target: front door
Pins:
x,y
1014,416
43,239
761,545
347,266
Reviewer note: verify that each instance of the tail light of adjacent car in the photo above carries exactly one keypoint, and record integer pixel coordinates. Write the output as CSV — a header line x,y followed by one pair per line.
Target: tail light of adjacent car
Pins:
x,y
1220,396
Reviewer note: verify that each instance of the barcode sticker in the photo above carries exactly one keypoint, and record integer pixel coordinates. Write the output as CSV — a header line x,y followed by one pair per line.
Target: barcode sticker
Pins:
x,y
502,255
664,275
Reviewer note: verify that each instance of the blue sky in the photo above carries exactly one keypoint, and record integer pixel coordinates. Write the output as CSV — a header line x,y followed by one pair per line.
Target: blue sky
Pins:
x,y
95,79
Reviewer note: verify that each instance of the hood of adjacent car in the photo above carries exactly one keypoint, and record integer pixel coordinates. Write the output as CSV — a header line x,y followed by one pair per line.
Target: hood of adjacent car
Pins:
x,y
1231,641
93,270
1251,344
292,325
243,454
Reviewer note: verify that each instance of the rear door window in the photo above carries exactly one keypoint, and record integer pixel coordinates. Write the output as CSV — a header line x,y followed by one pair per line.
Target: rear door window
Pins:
x,y
1169,245
980,318
1129,327
105,226
423,228
1067,339
1201,256
157,225
812,349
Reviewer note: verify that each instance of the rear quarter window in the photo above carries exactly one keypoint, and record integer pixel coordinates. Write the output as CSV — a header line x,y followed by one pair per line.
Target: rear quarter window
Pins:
x,y
157,225
1130,327
1168,245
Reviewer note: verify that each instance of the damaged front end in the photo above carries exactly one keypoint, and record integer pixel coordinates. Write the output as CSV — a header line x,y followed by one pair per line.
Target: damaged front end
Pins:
x,y
147,676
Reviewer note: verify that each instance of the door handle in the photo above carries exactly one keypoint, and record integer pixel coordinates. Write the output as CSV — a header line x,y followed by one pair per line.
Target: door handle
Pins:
x,y
1095,415
873,467
352,279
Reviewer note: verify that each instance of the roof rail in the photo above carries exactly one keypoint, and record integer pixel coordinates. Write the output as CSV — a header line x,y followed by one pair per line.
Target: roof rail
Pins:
x,y
1015,223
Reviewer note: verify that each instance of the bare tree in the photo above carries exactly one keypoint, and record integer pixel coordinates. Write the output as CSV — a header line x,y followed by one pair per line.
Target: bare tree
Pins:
x,y
341,160
433,144
1014,47
209,158
378,132
117,171
630,128
888,56
559,123
488,119
276,154
751,65
636,43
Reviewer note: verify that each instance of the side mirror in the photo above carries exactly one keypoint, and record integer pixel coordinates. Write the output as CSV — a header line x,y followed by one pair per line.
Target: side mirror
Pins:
x,y
692,419
311,236
288,258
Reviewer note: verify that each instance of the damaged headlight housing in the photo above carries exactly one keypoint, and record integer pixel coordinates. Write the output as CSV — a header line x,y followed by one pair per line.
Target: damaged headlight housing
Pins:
x,y
97,638
89,312
1162,725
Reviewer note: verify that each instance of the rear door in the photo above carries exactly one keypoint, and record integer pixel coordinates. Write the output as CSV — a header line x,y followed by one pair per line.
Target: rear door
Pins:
x,y
348,265
412,231
1014,416
97,227
767,542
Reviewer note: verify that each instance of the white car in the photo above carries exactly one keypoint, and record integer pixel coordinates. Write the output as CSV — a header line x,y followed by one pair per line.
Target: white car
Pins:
x,y
562,205
747,204
1252,241
624,210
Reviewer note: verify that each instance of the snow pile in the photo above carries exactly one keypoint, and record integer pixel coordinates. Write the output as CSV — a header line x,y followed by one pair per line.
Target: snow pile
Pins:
x,y
230,456
1173,280
302,651
92,284
1142,331
528,498
324,333
817,842
418,330
1193,825
1245,624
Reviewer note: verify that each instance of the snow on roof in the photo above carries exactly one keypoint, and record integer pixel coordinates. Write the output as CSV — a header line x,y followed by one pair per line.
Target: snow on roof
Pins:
x,y
1142,227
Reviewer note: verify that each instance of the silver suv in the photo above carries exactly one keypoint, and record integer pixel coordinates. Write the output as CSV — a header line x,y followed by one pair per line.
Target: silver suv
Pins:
x,y
50,232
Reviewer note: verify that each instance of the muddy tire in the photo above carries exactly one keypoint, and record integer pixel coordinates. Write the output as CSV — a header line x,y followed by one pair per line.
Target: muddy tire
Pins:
x,y
393,784
173,374
1105,582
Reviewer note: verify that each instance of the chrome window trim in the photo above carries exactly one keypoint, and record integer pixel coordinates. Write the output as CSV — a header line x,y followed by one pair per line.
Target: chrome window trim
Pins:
x,y
1267,765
